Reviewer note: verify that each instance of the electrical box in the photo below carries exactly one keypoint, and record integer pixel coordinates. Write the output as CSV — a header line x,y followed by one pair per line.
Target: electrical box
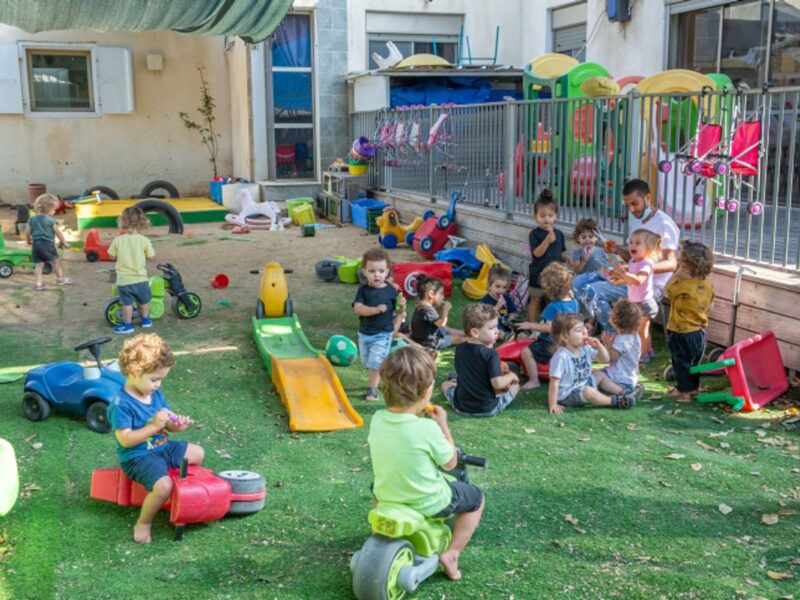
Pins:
x,y
618,10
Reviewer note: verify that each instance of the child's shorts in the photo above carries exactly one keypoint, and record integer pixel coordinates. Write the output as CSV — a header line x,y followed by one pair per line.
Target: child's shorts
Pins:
x,y
575,397
44,251
138,292
626,387
374,348
467,498
649,308
503,400
445,339
150,468
541,351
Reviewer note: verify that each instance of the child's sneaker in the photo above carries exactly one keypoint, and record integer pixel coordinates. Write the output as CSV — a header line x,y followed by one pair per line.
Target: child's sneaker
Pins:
x,y
147,322
623,401
123,328
64,281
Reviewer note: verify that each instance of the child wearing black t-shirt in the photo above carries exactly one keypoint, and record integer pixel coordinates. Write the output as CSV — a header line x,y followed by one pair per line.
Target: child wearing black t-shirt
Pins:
x,y
547,246
428,328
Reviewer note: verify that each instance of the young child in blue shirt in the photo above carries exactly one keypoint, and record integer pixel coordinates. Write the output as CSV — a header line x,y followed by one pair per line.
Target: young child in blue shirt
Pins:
x,y
141,420
497,295
410,441
547,246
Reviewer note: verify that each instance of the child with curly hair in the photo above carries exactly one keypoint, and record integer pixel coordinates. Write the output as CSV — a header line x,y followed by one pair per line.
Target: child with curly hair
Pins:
x,y
625,346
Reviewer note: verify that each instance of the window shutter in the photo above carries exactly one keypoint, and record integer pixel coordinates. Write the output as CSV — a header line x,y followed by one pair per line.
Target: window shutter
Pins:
x,y
569,38
114,80
10,83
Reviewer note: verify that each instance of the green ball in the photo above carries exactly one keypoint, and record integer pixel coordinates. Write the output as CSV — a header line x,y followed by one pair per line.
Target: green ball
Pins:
x,y
341,350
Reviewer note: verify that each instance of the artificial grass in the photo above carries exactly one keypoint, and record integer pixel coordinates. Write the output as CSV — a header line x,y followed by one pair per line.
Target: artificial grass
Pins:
x,y
583,505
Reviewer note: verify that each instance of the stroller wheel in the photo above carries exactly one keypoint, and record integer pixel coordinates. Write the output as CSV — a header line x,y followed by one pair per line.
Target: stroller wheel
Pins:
x,y
696,166
687,169
669,373
721,202
699,200
755,208
665,166
732,205
722,168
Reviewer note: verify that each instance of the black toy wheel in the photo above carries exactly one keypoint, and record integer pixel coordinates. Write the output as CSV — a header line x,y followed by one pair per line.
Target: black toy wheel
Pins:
x,y
444,221
183,309
97,417
92,256
410,238
106,193
161,185
35,407
113,312
6,270
260,312
378,566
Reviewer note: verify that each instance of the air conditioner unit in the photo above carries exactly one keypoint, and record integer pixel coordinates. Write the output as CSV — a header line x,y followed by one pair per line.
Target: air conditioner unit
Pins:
x,y
618,10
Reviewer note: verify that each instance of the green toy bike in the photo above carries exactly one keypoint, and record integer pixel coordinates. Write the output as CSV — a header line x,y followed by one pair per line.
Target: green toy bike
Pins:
x,y
404,548
185,304
21,257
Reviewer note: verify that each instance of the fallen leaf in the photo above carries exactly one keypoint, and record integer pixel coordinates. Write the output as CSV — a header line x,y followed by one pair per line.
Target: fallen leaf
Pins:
x,y
725,509
760,433
755,473
37,445
778,575
528,430
665,484
675,456
720,433
570,519
787,512
717,420
705,446
751,582
696,466
584,439
632,427
769,519
724,445
511,572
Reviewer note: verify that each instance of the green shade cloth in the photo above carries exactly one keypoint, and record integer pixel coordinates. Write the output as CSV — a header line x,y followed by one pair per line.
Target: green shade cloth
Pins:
x,y
252,20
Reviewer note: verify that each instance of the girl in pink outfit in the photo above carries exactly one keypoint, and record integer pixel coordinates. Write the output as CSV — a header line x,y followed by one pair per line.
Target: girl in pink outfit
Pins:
x,y
645,250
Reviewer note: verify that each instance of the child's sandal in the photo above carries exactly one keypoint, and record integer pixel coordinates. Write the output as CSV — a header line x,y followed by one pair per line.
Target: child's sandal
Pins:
x,y
372,394
39,287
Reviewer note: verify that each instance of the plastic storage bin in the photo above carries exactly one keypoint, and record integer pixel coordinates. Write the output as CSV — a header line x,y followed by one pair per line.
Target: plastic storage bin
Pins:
x,y
359,208
372,214
294,202
302,214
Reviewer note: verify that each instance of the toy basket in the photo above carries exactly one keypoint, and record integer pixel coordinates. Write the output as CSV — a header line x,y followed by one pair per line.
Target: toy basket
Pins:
x,y
359,208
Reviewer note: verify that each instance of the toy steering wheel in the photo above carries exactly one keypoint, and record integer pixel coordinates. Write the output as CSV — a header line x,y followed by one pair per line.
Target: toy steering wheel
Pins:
x,y
90,343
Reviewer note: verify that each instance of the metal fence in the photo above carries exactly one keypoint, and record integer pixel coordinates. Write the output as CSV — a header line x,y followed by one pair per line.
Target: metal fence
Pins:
x,y
723,164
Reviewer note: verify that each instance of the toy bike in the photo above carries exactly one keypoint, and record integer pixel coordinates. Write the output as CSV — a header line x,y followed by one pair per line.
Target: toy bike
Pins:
x,y
403,550
184,303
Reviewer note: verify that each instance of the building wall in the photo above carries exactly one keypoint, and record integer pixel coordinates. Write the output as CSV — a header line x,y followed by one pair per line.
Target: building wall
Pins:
x,y
237,61
128,150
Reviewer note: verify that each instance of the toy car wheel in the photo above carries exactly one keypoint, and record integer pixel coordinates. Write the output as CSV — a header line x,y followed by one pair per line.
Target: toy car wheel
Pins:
x,y
260,313
696,167
92,256
444,221
721,203
183,309
35,407
245,482
6,270
426,244
113,312
409,238
410,283
388,241
362,279
377,566
665,166
428,214
669,373
732,205
755,208
288,308
722,168
97,417
687,170
715,354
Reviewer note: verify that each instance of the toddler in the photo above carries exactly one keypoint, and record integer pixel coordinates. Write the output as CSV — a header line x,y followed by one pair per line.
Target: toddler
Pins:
x,y
141,420
586,260
131,250
497,295
41,233
547,246
691,295
408,449
625,347
428,328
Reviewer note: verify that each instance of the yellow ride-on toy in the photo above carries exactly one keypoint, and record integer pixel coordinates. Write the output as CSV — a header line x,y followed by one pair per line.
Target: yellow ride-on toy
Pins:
x,y
392,232
475,288
273,294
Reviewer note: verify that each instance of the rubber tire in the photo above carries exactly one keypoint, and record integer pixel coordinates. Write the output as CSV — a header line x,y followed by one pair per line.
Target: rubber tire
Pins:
x,y
97,417
106,191
389,241
182,311
715,354
375,561
35,407
112,312
244,482
246,508
665,166
92,256
260,312
6,269
163,208
159,184
669,373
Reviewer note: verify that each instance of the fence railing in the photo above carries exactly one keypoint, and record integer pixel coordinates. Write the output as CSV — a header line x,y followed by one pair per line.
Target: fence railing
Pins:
x,y
723,164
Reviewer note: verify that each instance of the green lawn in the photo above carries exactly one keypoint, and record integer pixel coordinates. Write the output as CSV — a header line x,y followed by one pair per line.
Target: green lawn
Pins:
x,y
584,505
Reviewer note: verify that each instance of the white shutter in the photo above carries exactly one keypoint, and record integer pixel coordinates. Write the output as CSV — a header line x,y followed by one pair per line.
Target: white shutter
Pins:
x,y
10,82
114,80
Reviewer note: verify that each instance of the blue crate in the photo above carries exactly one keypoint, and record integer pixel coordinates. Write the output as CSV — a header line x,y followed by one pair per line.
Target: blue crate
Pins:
x,y
215,187
359,208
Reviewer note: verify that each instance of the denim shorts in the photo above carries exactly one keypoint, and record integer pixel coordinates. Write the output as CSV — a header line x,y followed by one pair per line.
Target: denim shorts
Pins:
x,y
150,468
575,398
466,498
44,251
374,348
649,308
503,400
138,292
445,339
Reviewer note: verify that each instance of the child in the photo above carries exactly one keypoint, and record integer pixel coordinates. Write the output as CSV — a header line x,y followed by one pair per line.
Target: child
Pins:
x,y
497,295
644,248
375,304
588,258
547,246
131,250
407,451
141,420
428,329
691,294
572,382
625,347
480,388
42,232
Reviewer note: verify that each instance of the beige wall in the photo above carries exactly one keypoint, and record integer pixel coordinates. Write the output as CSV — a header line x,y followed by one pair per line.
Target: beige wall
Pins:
x,y
238,63
123,151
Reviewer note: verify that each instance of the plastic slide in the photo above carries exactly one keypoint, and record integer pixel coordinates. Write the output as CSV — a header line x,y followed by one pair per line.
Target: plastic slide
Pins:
x,y
304,379
9,478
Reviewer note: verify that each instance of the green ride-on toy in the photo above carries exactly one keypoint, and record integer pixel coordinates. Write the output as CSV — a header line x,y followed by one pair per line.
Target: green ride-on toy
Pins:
x,y
10,258
404,548
185,304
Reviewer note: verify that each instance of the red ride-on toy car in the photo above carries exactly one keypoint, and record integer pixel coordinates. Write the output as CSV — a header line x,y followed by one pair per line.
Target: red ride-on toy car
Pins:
x,y
432,234
511,352
199,495
94,249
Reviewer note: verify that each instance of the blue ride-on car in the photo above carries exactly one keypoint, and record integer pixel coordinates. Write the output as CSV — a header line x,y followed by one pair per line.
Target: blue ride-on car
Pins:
x,y
464,261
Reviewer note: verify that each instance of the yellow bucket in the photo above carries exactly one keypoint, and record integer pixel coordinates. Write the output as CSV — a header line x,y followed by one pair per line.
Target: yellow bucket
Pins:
x,y
356,169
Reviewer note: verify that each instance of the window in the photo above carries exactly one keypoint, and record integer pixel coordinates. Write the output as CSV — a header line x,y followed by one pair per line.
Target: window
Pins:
x,y
569,30
414,33
290,94
784,66
445,46
60,80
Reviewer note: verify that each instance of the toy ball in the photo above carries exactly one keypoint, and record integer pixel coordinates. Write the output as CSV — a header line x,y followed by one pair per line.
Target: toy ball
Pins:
x,y
397,343
341,350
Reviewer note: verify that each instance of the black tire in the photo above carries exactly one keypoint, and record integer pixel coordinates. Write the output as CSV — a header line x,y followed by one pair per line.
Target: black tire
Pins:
x,y
246,508
163,208
260,312
105,192
159,184
113,312
6,269
180,308
97,417
35,407
92,256
377,566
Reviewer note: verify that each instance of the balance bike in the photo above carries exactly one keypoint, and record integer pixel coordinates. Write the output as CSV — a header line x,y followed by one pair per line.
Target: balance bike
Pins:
x,y
404,548
185,304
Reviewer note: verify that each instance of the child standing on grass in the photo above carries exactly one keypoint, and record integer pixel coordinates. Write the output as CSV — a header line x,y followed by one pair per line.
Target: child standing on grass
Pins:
x,y
131,250
497,295
42,233
587,259
428,328
625,347
547,246
375,304
408,449
141,420
691,294
572,382
479,388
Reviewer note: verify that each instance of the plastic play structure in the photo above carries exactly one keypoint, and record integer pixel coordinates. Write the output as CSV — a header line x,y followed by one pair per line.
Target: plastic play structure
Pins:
x,y
9,477
405,275
262,215
173,212
755,370
432,235
392,232
475,288
304,379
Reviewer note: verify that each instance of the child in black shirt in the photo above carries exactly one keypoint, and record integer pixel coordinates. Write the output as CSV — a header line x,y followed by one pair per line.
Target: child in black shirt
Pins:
x,y
428,328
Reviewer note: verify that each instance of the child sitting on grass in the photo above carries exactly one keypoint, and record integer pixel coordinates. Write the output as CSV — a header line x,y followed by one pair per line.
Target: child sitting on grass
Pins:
x,y
428,328
479,388
624,347
587,259
141,420
572,382
42,233
497,295
408,449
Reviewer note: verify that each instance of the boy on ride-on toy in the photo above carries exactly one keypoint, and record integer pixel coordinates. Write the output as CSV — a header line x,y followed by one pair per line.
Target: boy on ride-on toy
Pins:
x,y
407,451
141,420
